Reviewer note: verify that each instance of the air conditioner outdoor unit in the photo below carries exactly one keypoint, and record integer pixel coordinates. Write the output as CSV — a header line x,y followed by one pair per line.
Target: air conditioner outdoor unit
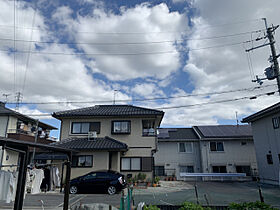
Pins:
x,y
92,135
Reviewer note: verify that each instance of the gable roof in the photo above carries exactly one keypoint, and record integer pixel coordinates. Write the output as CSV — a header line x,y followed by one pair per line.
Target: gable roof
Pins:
x,y
4,111
263,113
224,131
106,143
108,110
175,134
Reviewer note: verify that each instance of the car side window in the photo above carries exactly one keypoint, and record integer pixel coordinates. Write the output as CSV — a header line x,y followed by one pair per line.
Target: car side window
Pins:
x,y
103,175
90,176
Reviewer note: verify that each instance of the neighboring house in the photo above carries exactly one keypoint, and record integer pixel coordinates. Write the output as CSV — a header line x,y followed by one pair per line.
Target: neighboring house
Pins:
x,y
15,125
266,133
178,151
227,149
116,137
205,149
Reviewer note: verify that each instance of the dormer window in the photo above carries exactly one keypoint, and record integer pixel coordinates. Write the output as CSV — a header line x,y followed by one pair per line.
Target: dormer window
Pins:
x,y
148,127
85,127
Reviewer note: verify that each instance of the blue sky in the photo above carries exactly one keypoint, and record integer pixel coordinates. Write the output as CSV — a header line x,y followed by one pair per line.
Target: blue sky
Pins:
x,y
84,50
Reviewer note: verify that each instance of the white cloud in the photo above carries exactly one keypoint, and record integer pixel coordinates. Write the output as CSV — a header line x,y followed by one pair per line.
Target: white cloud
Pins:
x,y
138,22
148,90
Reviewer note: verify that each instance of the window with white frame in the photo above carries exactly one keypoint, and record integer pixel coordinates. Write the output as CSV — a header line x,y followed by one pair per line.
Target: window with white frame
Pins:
x,y
120,127
185,147
216,146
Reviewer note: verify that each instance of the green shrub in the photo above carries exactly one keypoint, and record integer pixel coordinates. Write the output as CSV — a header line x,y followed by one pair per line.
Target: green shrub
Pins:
x,y
191,206
250,206
157,179
151,207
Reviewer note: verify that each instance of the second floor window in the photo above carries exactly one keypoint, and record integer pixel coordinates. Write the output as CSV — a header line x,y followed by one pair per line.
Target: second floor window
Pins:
x,y
121,127
216,146
185,147
85,127
148,127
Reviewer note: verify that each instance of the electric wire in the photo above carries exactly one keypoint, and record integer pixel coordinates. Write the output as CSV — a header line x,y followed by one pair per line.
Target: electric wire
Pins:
x,y
129,43
144,99
193,105
125,54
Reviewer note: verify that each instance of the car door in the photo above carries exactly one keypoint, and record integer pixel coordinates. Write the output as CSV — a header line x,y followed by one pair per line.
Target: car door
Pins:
x,y
103,181
88,182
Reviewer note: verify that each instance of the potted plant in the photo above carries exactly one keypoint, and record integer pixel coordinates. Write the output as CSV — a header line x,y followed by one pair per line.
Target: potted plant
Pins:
x,y
156,181
148,182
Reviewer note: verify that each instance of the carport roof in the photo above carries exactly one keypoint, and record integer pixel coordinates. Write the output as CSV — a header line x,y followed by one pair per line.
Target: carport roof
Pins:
x,y
106,143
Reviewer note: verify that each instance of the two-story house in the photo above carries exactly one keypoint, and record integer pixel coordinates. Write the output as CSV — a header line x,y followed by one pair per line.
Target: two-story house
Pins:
x,y
18,126
205,149
227,149
266,134
115,137
178,151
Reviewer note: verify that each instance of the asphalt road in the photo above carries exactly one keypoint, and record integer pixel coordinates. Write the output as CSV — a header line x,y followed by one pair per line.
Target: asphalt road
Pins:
x,y
171,193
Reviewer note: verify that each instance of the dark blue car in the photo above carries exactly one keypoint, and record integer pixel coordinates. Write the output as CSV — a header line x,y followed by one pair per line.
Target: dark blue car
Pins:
x,y
98,181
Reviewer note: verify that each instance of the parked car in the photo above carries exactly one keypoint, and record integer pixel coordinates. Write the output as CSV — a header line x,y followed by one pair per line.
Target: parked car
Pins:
x,y
98,181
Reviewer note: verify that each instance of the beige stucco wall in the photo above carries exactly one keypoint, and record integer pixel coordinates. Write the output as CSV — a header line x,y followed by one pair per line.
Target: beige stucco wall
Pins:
x,y
100,161
134,139
234,154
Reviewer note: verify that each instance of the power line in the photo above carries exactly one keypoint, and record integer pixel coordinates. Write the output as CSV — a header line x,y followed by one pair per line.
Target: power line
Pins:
x,y
216,102
130,43
144,99
125,54
139,33
198,104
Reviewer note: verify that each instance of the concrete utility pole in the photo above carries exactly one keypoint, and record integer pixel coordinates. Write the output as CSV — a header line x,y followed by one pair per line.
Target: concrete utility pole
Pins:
x,y
274,69
273,51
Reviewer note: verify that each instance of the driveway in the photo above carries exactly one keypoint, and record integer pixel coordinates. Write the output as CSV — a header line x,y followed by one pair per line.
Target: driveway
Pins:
x,y
170,193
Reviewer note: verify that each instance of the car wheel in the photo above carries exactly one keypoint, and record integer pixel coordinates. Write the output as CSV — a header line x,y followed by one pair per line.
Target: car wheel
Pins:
x,y
73,189
111,190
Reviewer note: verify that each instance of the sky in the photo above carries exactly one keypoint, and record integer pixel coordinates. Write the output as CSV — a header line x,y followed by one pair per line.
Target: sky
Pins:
x,y
187,55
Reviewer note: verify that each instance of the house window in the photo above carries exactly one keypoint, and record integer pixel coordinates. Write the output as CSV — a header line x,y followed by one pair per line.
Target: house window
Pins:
x,y
186,169
275,122
185,147
219,169
137,163
269,159
148,128
85,127
82,161
131,164
243,169
120,127
159,170
216,146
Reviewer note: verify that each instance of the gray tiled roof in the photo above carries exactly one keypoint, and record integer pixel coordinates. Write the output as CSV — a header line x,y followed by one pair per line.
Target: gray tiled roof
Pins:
x,y
105,143
171,134
108,110
224,131
263,113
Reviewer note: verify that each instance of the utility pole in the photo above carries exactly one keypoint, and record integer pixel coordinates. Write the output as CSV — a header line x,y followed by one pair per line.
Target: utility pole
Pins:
x,y
18,99
273,71
273,51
